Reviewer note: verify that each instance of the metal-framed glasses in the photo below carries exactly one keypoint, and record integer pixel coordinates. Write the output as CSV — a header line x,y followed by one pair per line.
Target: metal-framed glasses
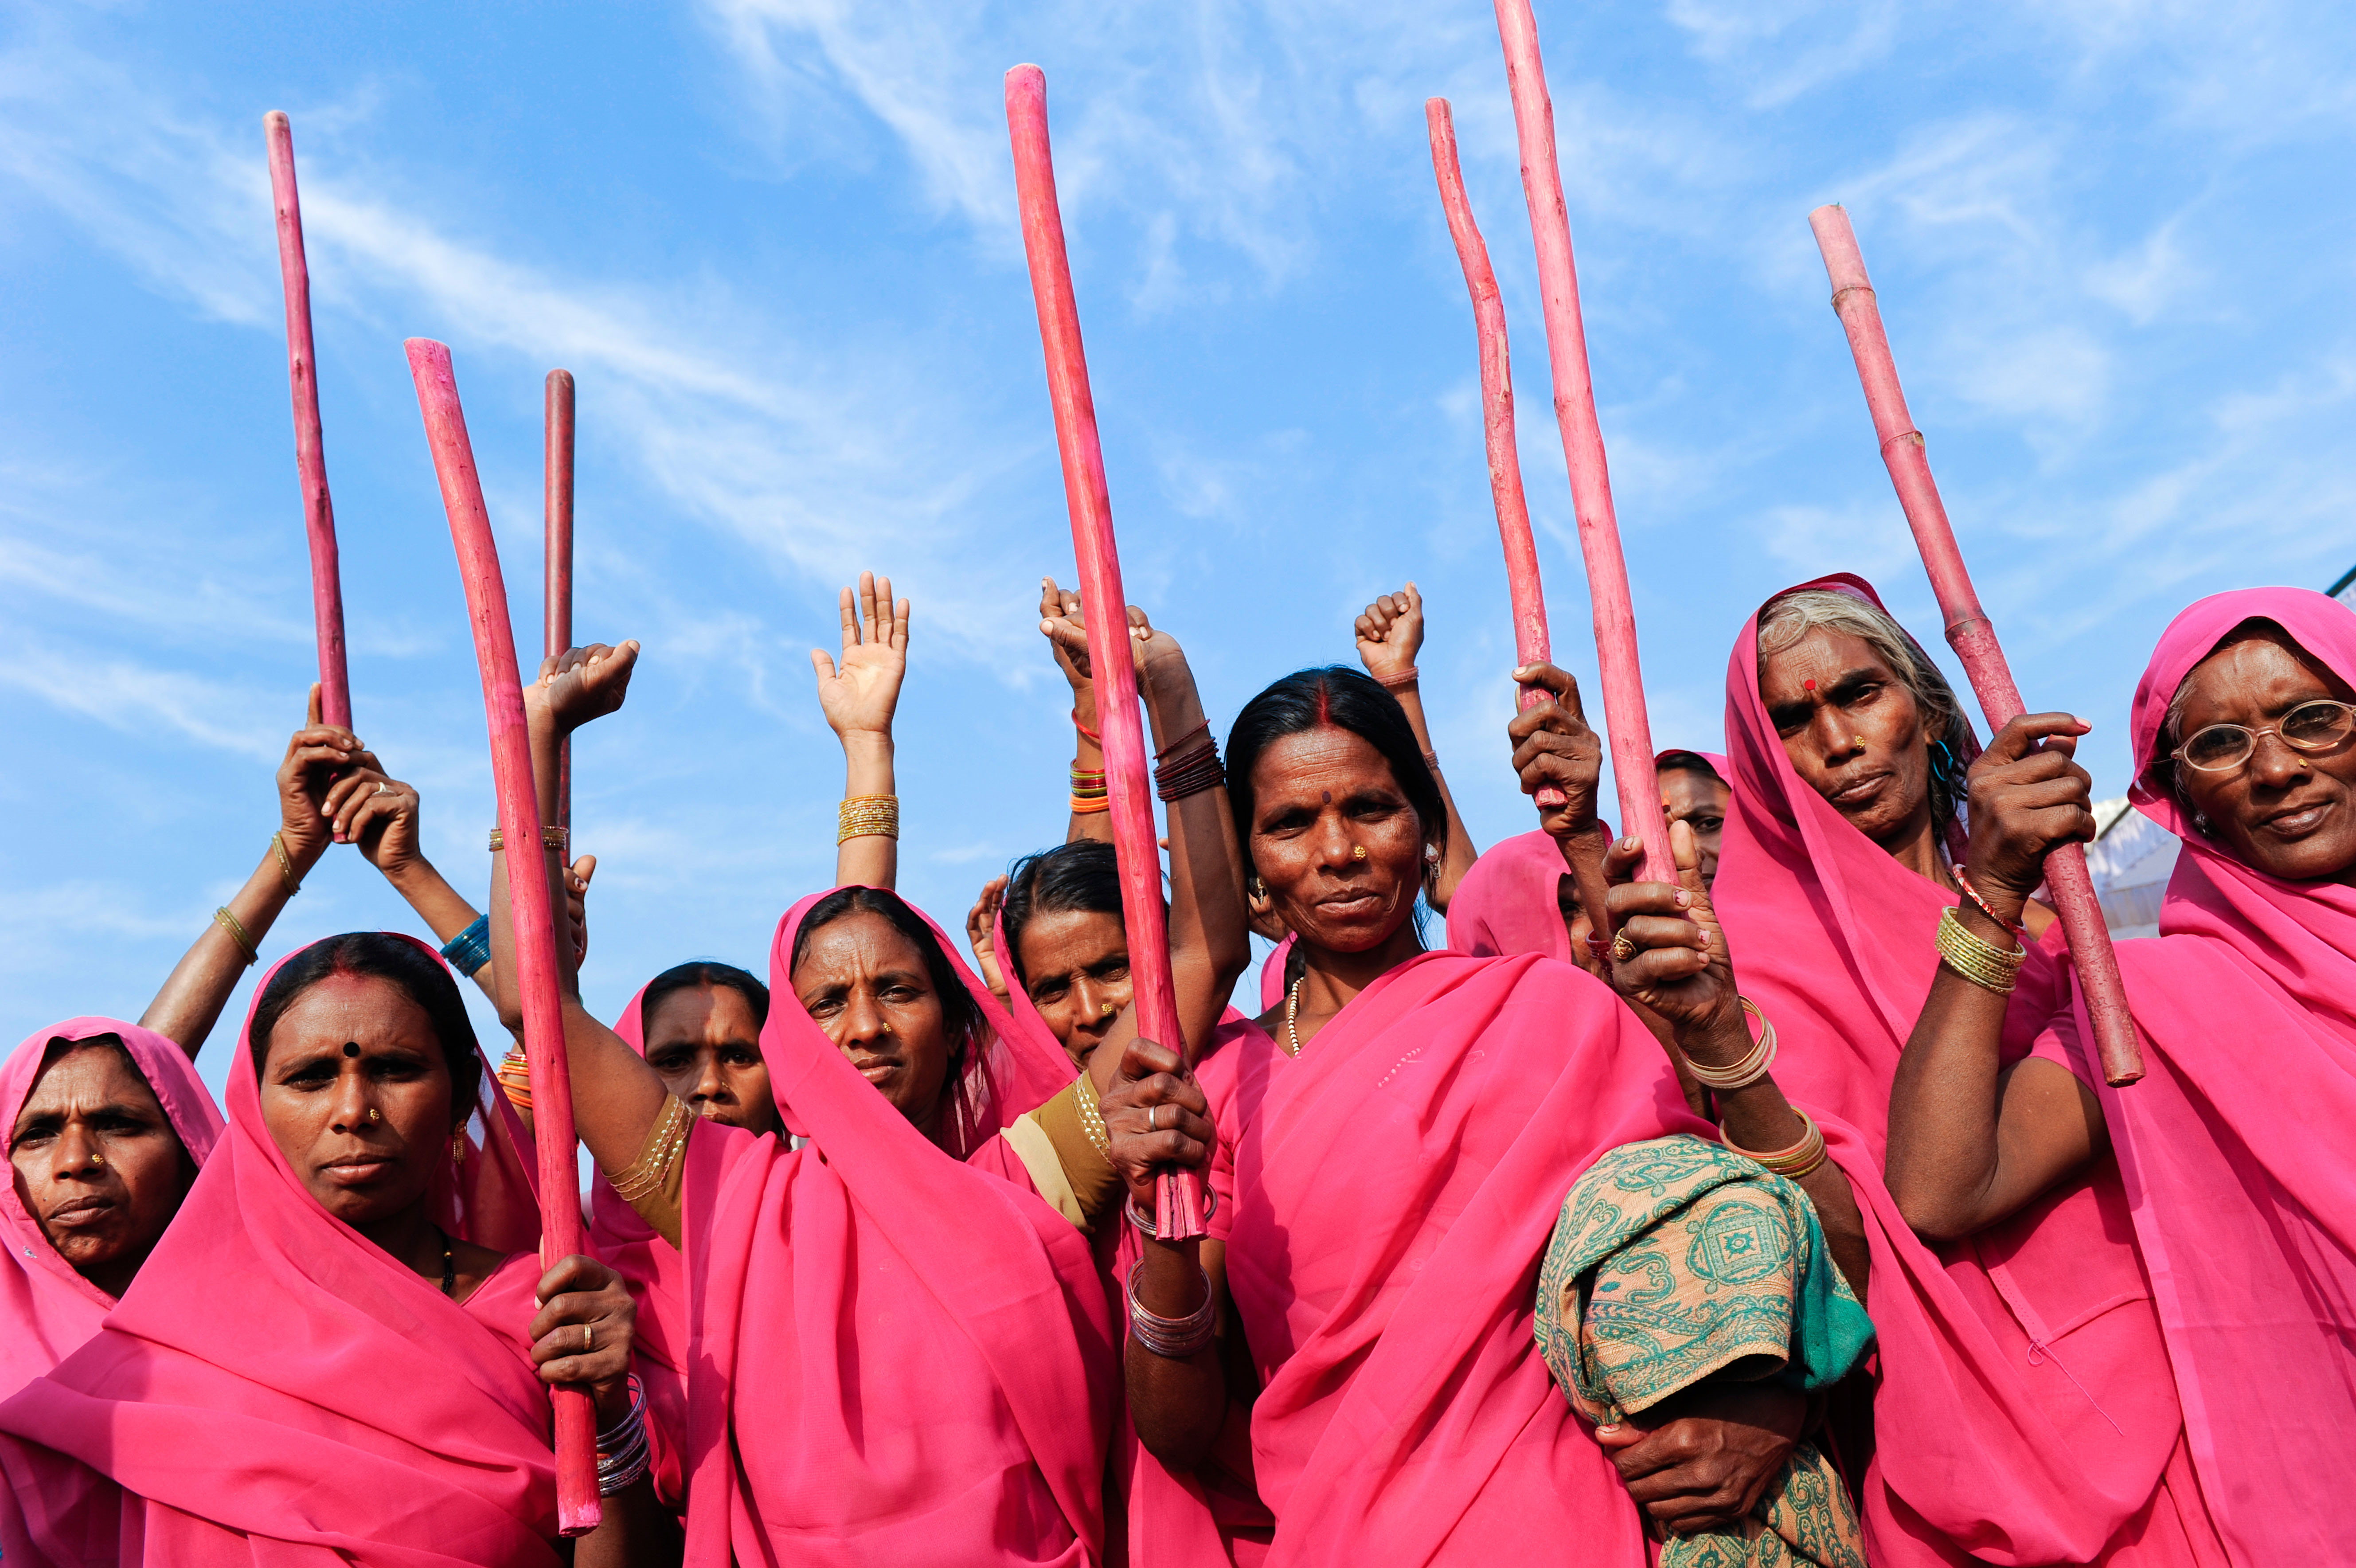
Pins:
x,y
2320,725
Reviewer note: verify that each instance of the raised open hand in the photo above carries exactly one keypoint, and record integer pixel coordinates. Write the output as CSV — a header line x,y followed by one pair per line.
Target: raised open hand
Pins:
x,y
315,755
859,695
981,934
581,684
1554,747
1390,633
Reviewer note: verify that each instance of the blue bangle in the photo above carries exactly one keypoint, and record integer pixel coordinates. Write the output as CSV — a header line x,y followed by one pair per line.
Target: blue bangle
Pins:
x,y
470,949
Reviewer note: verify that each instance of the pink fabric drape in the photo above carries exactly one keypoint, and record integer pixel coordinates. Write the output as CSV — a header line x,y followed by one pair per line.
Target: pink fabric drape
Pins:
x,y
2234,1146
273,1389
46,1310
1272,973
895,1356
1384,1201
2024,1414
1508,902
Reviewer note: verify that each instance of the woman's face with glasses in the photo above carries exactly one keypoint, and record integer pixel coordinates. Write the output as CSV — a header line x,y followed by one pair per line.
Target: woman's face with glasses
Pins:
x,y
2269,757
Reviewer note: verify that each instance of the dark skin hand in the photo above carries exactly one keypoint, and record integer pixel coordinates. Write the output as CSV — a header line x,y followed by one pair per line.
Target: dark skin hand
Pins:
x,y
97,1164
1699,1461
704,1043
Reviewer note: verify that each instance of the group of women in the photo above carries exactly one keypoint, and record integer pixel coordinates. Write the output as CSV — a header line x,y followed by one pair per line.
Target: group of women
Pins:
x,y
1774,1215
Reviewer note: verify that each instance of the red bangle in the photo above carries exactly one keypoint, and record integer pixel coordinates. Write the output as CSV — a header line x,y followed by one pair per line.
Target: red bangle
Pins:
x,y
1203,728
1085,730
1400,682
2015,931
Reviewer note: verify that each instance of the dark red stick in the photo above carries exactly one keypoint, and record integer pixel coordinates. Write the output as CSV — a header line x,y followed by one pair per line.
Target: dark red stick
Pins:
x,y
1968,631
310,456
1617,666
578,1508
1529,595
556,484
1177,1201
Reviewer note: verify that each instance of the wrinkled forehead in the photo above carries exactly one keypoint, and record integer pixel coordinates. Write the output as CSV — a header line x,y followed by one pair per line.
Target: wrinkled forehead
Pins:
x,y
855,945
1308,766
86,1073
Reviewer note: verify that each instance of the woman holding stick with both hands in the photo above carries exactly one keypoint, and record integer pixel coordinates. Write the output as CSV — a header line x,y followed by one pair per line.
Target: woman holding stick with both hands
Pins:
x,y
2233,1145
1355,1333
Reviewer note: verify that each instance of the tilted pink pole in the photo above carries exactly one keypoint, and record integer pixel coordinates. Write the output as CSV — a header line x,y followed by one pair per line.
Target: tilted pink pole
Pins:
x,y
1968,631
1623,675
1177,1198
578,1509
310,456
557,504
1522,585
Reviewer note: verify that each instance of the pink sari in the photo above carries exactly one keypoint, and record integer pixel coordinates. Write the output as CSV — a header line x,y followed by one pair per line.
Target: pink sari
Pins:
x,y
46,1310
897,1353
1385,1200
2234,1145
1508,902
273,1389
2023,1415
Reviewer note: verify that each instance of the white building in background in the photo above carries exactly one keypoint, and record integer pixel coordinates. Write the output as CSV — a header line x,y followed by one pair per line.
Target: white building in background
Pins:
x,y
2131,858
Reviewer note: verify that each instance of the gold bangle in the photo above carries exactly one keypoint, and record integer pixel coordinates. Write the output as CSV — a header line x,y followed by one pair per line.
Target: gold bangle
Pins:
x,y
1977,960
1792,1163
229,922
865,816
285,863
557,839
1746,1069
665,1144
1092,1120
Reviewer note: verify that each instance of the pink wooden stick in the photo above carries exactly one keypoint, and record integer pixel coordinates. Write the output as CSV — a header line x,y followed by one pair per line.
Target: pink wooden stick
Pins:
x,y
1530,645
310,456
577,1505
1177,1199
1968,631
1622,674
557,505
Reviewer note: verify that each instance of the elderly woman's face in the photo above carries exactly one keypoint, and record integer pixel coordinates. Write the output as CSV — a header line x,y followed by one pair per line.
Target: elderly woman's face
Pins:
x,y
97,1164
1334,839
2287,812
1853,731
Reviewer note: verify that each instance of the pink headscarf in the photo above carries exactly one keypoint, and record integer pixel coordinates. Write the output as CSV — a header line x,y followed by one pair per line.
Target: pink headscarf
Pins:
x,y
274,1389
1271,972
47,1310
1385,1200
1508,902
895,1356
2024,1415
2234,1145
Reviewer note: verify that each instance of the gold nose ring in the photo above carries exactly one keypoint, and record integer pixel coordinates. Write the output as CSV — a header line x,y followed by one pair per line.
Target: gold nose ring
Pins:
x,y
1107,1011
1357,852
97,1161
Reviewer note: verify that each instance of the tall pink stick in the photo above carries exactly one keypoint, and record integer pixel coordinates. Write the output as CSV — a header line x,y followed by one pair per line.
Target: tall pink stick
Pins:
x,y
556,482
577,1505
1177,1198
1583,446
310,456
1968,631
1522,585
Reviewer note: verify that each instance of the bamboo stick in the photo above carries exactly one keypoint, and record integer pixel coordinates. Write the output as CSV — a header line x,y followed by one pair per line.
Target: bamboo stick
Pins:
x,y
1620,671
310,454
577,1503
1522,587
557,507
1968,631
1177,1198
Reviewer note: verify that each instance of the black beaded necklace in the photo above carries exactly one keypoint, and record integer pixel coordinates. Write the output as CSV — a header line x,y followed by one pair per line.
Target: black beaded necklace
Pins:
x,y
449,1269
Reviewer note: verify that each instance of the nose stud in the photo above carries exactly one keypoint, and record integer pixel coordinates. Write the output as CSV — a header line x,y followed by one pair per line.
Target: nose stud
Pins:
x,y
374,1114
1357,852
1107,1011
96,1162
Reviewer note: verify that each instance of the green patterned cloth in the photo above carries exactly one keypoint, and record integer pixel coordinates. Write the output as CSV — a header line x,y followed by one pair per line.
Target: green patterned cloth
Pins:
x,y
1675,1261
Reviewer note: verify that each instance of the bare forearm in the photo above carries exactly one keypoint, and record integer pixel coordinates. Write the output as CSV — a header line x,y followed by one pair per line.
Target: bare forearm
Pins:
x,y
1461,851
1088,756
870,860
637,1530
193,994
445,913
1944,1106
1210,938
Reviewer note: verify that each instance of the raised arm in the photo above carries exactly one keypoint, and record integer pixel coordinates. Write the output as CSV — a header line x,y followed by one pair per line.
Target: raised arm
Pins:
x,y
1971,1141
193,994
1390,634
859,698
1062,622
380,815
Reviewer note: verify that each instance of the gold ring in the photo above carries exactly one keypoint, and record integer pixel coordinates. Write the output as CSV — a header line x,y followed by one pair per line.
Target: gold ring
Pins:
x,y
588,1339
1622,949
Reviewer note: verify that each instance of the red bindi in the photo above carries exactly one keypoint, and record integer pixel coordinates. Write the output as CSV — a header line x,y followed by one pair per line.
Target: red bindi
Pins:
x,y
1809,685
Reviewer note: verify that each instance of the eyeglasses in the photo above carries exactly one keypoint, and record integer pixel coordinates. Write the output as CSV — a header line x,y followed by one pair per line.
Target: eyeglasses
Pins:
x,y
2318,725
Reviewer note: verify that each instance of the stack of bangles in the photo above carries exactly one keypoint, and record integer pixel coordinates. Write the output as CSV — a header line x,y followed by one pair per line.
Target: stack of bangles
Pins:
x,y
1172,1339
1400,681
1144,1221
515,1077
1088,792
1792,1163
1752,1066
623,1451
1975,958
1188,767
470,949
864,816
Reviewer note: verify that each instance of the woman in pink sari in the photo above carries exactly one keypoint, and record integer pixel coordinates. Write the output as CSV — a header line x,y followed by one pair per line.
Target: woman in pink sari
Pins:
x,y
2023,1415
1354,1337
371,1387
2244,739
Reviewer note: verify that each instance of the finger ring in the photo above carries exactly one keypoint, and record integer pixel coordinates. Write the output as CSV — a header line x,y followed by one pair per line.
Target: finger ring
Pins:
x,y
1622,949
588,1339
382,787
1153,1118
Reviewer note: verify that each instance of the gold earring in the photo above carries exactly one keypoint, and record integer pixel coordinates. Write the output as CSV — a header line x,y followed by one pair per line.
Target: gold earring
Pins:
x,y
458,1147
1357,852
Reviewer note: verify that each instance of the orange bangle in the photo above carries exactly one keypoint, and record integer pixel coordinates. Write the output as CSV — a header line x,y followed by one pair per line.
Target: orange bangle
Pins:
x,y
1089,805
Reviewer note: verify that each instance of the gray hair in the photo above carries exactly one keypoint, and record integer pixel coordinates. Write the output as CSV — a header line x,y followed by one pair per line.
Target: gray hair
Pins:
x,y
1791,618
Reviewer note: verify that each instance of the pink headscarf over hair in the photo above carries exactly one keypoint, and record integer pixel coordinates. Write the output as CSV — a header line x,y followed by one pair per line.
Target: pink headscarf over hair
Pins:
x,y
2023,1413
272,1373
895,1356
2234,1145
1384,1200
47,1310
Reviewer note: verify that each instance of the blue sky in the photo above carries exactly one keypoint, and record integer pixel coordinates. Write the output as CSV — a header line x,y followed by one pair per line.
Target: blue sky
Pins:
x,y
776,241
